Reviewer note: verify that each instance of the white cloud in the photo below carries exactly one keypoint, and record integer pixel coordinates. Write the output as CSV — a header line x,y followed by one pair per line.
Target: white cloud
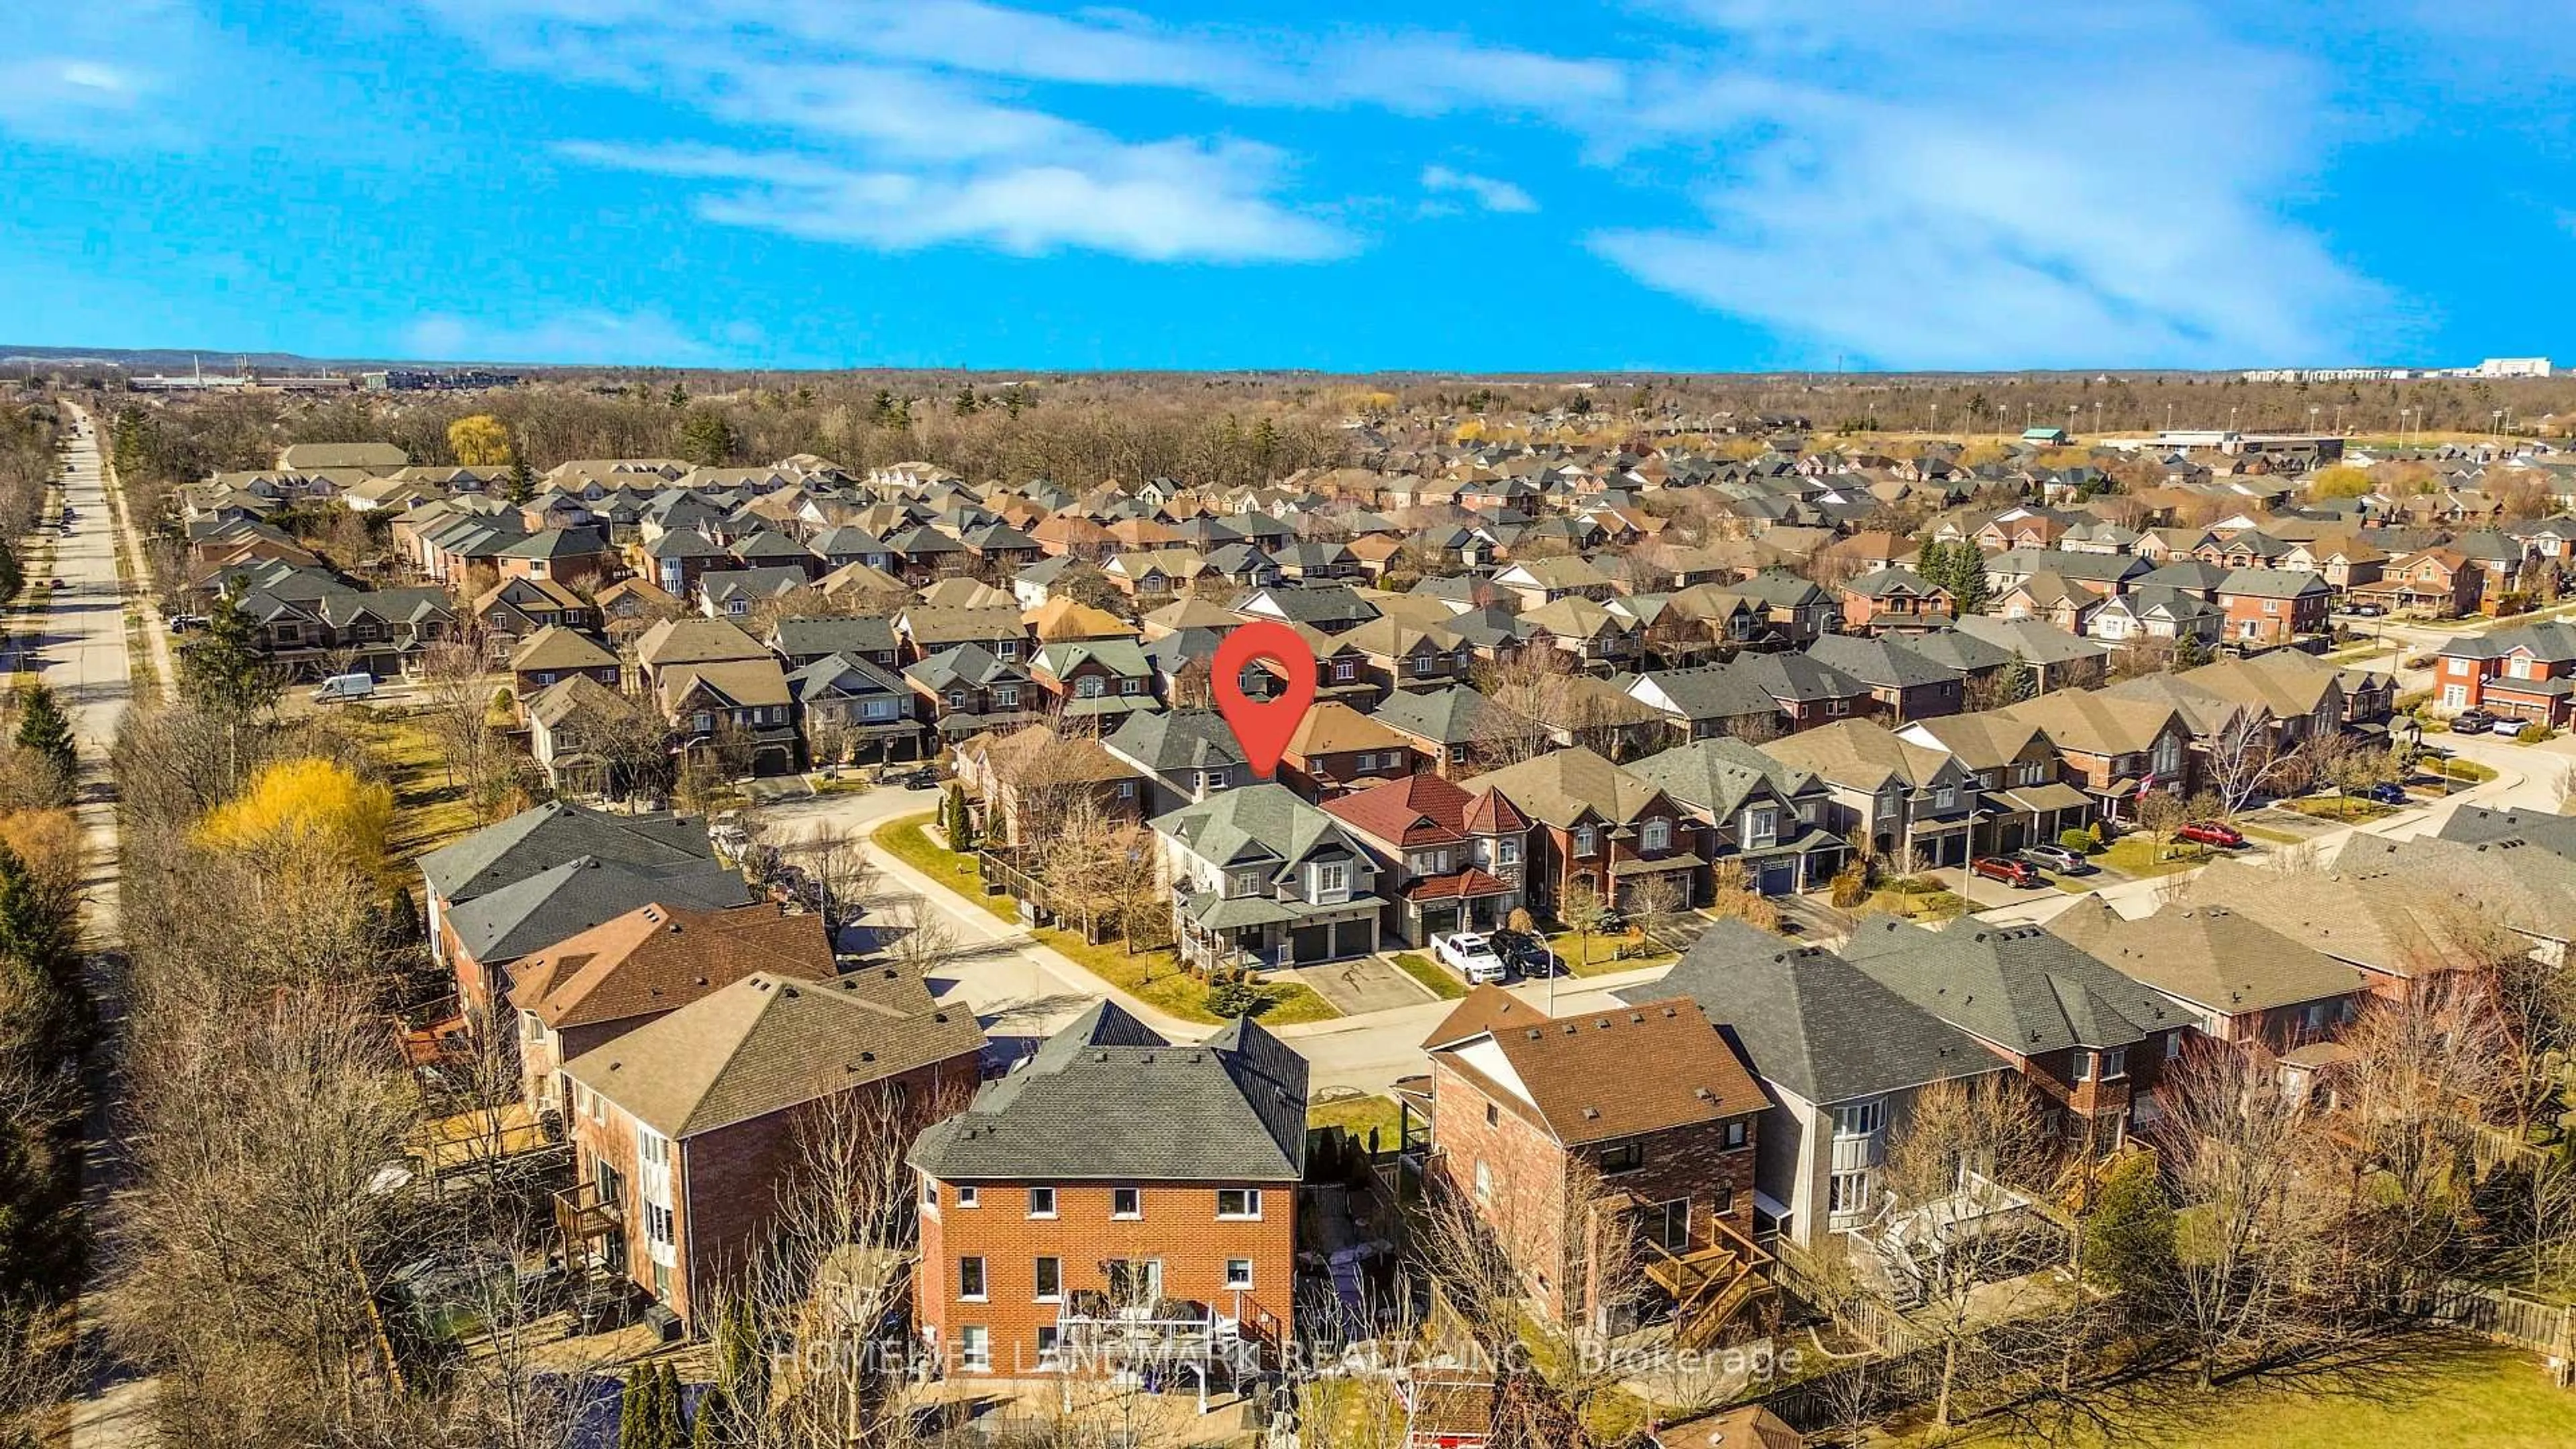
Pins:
x,y
80,78
620,338
2037,191
1488,192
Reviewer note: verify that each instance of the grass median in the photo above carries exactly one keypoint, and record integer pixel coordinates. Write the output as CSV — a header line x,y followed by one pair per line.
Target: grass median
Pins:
x,y
1154,977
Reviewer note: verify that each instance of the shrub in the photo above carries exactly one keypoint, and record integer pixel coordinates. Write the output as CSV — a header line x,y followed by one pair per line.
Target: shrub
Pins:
x,y
1851,885
2080,841
1232,996
2532,734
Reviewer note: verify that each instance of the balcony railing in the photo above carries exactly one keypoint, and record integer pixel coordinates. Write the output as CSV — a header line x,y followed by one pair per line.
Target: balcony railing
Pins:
x,y
583,1213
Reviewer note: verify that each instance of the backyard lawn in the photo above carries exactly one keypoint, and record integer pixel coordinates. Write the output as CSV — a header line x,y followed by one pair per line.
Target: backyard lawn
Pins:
x,y
429,809
1154,977
2454,1394
1359,1116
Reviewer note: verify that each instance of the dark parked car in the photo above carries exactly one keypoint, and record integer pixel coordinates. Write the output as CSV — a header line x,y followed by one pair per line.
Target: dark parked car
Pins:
x,y
2008,870
2472,722
2387,792
2212,832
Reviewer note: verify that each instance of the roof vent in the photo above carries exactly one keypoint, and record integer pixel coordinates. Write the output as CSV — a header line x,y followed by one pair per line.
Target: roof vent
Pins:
x,y
789,992
1569,1028
1636,1016
1533,1033
1591,1114
1705,1095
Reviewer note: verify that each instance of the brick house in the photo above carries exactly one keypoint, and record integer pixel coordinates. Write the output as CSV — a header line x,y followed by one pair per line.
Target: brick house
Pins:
x,y
1912,804
1894,598
2091,1040
2113,747
594,986
1336,749
2525,673
2273,606
1447,860
2440,582
516,867
683,1129
1116,1194
1599,827
1576,1139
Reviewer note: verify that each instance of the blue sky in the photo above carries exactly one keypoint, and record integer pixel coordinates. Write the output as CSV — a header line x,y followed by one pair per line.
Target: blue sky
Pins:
x,y
1674,185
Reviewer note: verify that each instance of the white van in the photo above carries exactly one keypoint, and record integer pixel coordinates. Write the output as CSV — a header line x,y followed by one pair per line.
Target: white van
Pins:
x,y
345,686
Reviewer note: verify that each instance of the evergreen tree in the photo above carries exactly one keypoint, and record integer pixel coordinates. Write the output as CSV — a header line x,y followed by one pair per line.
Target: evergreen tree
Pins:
x,y
1968,579
706,438
221,668
2129,1237
711,1426
630,1411
13,574
964,406
679,395
30,929
43,729
523,479
882,411
667,1433
2016,683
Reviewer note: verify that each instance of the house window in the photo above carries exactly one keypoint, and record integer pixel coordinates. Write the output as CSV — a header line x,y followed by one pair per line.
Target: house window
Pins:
x,y
930,1193
966,1197
1046,1345
1332,880
1246,883
702,721
657,1224
1126,1202
1131,686
1666,1224
1087,687
1860,1119
970,1280
1345,670
1586,840
1006,696
1493,1115
1946,798
1848,1192
1041,1202
1735,1133
1484,1181
1242,1203
975,1348
1761,829
1656,835
1006,648
1238,1274
1211,780
1050,1280
1625,1157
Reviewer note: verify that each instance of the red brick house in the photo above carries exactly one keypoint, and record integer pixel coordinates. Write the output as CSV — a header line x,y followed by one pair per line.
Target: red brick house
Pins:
x,y
1336,748
593,987
2273,606
1116,1194
1895,598
683,1129
2526,673
1580,1139
1447,860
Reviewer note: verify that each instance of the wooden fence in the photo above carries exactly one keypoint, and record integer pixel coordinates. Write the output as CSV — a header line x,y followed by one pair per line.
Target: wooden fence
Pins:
x,y
2504,1316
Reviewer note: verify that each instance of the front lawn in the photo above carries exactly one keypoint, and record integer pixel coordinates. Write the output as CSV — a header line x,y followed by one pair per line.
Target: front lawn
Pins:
x,y
2330,807
2454,1393
1439,982
1154,977
1605,956
1906,897
2138,855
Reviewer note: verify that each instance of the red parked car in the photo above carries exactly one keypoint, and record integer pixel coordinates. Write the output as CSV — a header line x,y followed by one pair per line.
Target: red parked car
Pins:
x,y
2006,869
2212,832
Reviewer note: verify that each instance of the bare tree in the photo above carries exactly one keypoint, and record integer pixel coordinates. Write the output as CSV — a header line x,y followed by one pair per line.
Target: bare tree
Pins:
x,y
836,859
1958,1166
2241,761
457,689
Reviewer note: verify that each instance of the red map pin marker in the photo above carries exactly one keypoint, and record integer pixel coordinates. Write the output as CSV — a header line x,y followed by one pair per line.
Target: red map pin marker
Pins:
x,y
1263,726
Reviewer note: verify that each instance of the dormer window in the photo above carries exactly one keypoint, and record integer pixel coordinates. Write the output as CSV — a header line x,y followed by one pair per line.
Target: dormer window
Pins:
x,y
1655,836
1587,840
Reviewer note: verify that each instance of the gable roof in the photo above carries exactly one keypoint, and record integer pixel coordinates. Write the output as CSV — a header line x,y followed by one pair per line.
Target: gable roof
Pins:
x,y
1562,786
658,957
544,836
1422,808
1812,1022
1109,1098
1598,1075
769,1042
2210,956
2018,987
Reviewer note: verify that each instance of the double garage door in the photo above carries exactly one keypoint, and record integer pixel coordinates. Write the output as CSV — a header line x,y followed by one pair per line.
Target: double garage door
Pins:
x,y
1331,943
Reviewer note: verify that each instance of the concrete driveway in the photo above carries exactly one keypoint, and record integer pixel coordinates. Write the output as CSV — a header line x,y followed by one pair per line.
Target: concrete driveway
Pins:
x,y
1362,985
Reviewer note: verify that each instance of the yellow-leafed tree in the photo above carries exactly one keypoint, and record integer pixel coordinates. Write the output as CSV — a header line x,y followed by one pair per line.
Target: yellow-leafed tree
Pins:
x,y
307,803
480,441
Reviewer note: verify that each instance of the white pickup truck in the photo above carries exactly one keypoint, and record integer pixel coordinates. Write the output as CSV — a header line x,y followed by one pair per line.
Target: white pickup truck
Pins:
x,y
1472,956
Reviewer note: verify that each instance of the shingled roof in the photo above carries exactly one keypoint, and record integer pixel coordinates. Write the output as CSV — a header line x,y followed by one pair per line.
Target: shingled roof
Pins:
x,y
1108,1098
545,836
659,957
1597,1075
2018,987
767,1042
